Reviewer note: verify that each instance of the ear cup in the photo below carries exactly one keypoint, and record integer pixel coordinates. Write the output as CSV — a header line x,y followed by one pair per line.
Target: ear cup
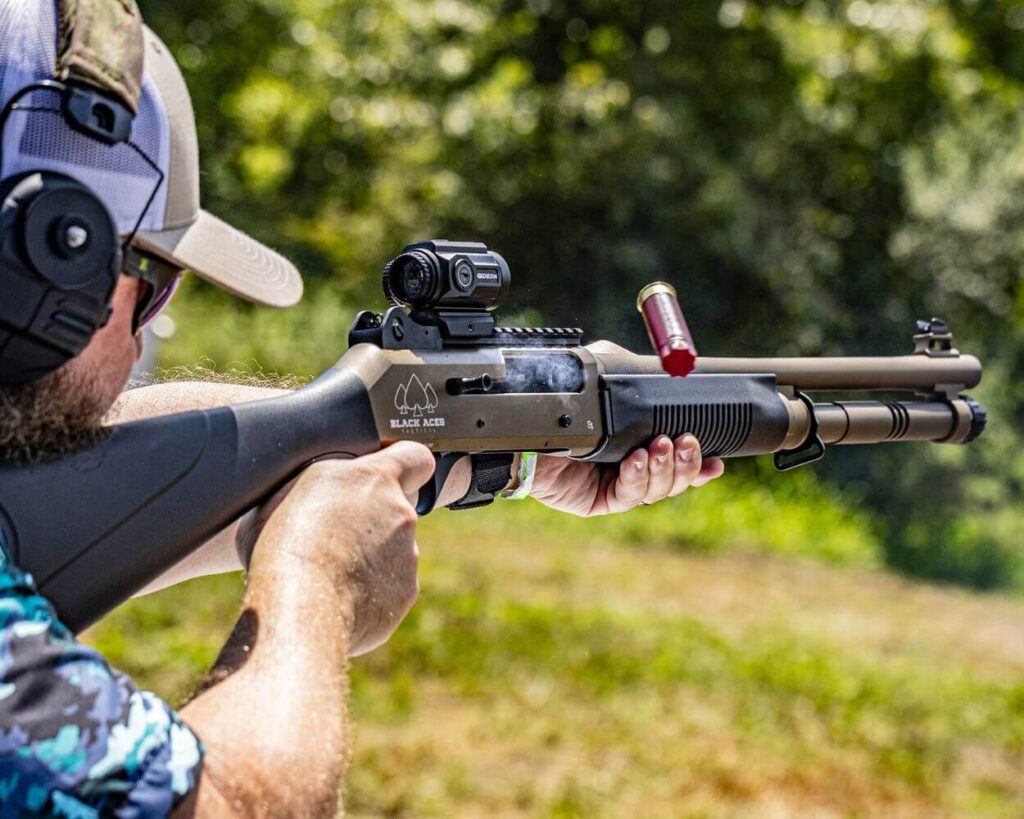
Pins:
x,y
59,262
69,236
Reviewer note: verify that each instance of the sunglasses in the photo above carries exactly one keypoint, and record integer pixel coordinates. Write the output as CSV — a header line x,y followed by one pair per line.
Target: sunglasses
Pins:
x,y
161,279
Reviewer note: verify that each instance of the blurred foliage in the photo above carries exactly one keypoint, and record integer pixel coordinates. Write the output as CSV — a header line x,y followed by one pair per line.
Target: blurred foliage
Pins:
x,y
812,175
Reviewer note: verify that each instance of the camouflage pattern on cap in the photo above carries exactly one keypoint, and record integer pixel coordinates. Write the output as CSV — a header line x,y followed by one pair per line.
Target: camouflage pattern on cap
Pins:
x,y
100,43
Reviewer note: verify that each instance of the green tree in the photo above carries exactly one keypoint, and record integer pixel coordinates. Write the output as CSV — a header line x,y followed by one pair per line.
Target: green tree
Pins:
x,y
813,175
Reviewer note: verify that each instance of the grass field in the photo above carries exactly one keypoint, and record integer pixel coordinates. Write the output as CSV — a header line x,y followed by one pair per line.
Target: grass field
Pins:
x,y
731,654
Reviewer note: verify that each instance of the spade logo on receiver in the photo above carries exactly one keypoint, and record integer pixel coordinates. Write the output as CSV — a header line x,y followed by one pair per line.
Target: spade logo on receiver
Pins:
x,y
416,397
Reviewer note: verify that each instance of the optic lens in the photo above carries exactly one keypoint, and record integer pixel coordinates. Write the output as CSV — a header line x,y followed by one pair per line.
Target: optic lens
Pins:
x,y
415,280
412,279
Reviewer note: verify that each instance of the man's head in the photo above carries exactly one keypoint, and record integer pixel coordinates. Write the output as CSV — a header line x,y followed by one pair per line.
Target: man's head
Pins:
x,y
149,184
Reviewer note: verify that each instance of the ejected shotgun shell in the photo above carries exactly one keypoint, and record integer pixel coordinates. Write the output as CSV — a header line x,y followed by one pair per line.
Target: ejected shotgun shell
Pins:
x,y
667,328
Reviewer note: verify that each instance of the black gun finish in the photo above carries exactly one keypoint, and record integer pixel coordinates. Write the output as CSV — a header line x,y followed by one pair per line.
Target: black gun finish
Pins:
x,y
95,528
731,416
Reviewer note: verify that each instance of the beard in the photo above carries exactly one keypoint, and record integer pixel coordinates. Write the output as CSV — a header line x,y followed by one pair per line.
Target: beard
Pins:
x,y
59,414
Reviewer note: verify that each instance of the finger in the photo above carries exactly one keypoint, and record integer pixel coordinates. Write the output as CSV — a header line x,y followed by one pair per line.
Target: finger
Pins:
x,y
688,463
712,468
630,486
410,463
457,484
660,469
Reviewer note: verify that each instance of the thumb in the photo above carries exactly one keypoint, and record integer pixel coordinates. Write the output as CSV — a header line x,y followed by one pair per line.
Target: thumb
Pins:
x,y
410,463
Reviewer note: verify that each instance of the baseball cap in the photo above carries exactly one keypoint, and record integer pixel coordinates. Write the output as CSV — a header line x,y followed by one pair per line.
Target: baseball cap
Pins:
x,y
174,227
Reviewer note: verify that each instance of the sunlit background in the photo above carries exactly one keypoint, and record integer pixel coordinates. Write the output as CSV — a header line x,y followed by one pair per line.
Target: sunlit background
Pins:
x,y
812,176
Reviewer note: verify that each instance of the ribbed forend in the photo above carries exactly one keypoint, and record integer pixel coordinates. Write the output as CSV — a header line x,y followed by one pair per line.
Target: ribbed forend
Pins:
x,y
721,428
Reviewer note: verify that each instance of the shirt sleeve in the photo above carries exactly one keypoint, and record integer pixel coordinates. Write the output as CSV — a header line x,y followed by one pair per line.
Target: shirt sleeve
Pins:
x,y
77,738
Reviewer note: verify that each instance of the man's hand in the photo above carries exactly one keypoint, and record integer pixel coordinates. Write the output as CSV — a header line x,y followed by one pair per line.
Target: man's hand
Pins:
x,y
355,522
663,470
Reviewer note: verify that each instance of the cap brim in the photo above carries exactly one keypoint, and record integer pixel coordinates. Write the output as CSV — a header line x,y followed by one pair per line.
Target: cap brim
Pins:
x,y
219,253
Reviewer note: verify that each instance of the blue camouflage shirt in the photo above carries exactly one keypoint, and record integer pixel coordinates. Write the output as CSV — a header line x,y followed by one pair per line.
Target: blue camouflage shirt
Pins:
x,y
78,739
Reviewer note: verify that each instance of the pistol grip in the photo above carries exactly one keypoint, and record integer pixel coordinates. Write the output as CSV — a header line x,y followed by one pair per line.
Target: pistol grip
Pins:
x,y
431,490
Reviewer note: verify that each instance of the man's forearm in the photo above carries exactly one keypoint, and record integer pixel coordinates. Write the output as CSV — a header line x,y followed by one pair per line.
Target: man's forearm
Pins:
x,y
183,396
274,720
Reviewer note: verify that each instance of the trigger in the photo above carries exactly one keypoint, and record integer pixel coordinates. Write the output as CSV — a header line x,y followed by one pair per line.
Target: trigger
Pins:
x,y
443,465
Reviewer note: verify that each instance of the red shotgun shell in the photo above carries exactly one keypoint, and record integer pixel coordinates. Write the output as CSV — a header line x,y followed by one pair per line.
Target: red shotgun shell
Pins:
x,y
667,328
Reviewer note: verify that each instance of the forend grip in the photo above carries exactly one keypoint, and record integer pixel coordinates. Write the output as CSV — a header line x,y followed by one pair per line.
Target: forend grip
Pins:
x,y
730,415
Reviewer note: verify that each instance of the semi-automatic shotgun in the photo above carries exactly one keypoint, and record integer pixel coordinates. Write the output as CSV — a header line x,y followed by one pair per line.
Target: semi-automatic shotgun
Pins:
x,y
96,526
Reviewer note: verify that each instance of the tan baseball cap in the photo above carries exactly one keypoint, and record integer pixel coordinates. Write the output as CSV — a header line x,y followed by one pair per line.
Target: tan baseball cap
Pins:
x,y
174,226
189,236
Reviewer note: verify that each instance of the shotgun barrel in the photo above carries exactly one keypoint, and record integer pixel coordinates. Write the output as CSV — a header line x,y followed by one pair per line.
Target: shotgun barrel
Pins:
x,y
911,373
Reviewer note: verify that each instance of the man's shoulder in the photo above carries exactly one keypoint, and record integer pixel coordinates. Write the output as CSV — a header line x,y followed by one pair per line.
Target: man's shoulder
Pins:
x,y
20,601
75,735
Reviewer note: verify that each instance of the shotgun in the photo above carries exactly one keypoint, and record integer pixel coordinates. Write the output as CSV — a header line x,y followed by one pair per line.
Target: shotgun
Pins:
x,y
96,526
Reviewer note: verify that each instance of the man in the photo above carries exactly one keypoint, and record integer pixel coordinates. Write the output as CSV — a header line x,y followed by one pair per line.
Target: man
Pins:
x,y
333,557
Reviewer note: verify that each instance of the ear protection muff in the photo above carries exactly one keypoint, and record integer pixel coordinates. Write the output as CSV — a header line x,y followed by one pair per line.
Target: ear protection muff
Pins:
x,y
60,252
60,258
